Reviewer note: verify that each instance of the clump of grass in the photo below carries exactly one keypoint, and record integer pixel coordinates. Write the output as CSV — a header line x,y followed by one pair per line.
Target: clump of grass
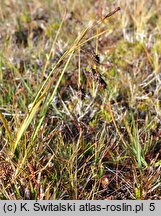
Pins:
x,y
80,109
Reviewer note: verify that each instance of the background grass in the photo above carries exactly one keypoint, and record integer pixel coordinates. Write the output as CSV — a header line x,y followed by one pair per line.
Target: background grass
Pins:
x,y
80,99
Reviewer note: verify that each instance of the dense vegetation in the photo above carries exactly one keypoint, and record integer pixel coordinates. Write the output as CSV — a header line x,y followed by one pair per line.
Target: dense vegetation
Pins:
x,y
80,99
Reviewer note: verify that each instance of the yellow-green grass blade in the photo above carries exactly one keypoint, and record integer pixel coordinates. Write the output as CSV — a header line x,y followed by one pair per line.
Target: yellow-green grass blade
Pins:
x,y
6,127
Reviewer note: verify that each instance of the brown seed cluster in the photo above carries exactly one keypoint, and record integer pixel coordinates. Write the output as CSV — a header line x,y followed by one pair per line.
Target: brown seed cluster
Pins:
x,y
94,62
5,170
